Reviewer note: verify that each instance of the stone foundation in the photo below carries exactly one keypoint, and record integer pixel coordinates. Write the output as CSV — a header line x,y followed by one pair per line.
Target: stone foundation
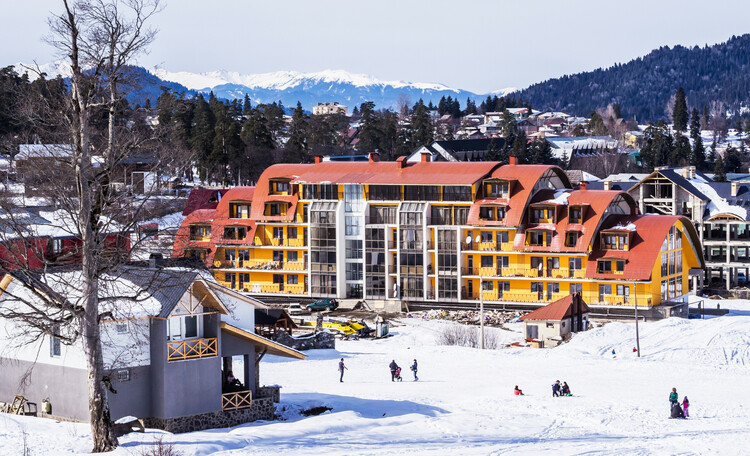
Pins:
x,y
272,392
262,409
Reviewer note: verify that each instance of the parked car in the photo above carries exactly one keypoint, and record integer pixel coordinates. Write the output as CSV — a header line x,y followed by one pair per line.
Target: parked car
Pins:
x,y
294,308
323,304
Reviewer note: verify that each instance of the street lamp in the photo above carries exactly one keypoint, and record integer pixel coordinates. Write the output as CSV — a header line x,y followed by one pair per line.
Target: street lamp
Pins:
x,y
637,338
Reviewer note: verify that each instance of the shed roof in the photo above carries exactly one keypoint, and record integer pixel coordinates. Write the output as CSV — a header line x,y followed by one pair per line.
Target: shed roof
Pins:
x,y
556,311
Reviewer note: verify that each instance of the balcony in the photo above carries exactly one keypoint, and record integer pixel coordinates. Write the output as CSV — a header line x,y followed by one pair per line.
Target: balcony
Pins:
x,y
266,241
191,349
237,400
261,265
268,288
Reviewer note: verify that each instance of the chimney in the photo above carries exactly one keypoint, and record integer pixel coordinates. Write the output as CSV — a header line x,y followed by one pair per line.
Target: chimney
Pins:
x,y
735,187
374,157
401,161
584,185
155,260
684,172
512,160
318,159
607,185
691,172
425,157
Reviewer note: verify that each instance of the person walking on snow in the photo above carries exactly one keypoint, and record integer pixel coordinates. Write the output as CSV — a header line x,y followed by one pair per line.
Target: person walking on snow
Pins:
x,y
556,389
394,367
673,398
685,405
341,369
414,369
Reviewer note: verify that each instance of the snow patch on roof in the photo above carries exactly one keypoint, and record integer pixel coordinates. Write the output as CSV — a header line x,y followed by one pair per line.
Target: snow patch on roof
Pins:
x,y
717,205
629,227
561,198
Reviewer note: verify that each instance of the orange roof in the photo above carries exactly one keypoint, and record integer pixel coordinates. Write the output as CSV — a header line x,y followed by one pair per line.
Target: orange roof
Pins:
x,y
644,248
595,202
182,238
221,217
557,311
420,173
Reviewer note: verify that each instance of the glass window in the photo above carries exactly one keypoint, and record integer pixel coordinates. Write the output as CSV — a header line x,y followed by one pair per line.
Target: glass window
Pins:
x,y
486,261
54,342
191,326
461,215
576,288
604,266
574,215
671,263
291,256
619,265
292,279
486,236
571,238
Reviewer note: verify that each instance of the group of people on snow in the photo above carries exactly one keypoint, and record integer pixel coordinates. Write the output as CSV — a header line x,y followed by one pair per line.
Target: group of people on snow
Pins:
x,y
559,389
395,370
674,405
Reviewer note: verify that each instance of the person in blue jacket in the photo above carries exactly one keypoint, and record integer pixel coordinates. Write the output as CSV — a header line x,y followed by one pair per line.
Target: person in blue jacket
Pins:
x,y
414,369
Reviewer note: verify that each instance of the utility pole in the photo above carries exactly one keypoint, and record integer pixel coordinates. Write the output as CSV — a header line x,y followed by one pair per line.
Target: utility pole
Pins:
x,y
481,313
637,338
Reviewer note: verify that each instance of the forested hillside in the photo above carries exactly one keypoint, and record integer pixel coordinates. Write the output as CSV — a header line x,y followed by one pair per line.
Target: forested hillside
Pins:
x,y
715,76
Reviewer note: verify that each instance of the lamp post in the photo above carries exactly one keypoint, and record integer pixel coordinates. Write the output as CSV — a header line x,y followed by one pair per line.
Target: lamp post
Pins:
x,y
637,338
481,313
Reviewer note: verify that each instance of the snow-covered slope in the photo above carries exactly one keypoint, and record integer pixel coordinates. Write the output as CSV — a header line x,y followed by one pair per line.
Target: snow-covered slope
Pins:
x,y
463,403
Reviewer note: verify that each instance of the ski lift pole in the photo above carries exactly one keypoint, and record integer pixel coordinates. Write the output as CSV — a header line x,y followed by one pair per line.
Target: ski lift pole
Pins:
x,y
637,338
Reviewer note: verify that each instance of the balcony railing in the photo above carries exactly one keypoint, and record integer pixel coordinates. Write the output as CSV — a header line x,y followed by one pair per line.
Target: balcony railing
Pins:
x,y
191,349
261,265
278,242
237,400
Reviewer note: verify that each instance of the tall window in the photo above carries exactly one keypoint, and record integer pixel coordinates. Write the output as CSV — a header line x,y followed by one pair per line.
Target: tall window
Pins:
x,y
54,342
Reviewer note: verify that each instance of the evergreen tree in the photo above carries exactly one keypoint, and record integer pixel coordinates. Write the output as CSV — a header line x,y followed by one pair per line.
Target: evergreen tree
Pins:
x,y
657,146
493,151
680,111
247,107
471,106
698,155
442,106
520,145
227,151
421,123
578,131
202,137
258,145
695,125
719,174
596,125
540,152
732,160
705,118
295,150
370,133
681,152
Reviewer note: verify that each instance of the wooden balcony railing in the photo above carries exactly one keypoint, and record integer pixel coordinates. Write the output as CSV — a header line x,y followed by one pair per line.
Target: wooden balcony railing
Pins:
x,y
237,400
191,349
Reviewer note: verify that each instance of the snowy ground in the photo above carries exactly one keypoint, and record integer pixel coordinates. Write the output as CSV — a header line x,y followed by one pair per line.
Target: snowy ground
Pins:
x,y
464,405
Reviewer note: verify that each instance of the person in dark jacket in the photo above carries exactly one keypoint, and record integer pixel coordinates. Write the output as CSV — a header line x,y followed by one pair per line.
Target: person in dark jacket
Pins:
x,y
342,367
556,389
414,369
394,367
677,411
565,389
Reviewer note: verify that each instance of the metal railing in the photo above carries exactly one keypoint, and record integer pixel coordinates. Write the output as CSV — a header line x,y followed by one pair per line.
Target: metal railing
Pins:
x,y
278,242
237,400
261,265
191,349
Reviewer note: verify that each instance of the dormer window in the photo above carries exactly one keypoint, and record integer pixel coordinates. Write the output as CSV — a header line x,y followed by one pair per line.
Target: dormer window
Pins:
x,y
235,232
615,241
275,209
239,210
280,188
610,266
571,238
575,215
200,232
539,238
542,215
492,213
497,189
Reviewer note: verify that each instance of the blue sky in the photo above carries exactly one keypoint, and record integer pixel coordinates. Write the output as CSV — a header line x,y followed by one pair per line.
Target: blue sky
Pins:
x,y
474,45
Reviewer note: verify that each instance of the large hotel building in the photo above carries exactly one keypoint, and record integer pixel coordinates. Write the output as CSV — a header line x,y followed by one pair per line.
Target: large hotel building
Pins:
x,y
440,232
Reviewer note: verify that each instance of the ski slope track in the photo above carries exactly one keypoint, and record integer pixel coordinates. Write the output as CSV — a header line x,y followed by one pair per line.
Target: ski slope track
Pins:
x,y
463,403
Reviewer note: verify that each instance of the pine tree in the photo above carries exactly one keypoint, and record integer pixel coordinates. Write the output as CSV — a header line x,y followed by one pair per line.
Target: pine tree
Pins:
x,y
295,150
705,118
719,174
695,125
732,160
202,137
681,152
421,123
540,152
680,111
698,155
247,107
493,152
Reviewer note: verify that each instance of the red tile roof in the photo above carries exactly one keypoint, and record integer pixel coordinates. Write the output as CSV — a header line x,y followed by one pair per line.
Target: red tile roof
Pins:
x,y
645,245
182,238
203,198
556,311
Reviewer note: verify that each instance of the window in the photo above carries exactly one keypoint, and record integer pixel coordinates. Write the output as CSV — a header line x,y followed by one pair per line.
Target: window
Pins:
x,y
191,326
498,190
385,192
183,327
352,227
678,263
461,215
54,343
123,375
291,256
536,263
280,187
353,271
604,267
273,209
552,289
571,238
421,193
671,238
291,232
615,241
539,238
278,255
239,210
503,262
664,295
664,265
235,232
292,279
278,232
538,288
353,249
620,265
57,246
542,215
199,232
502,237
677,239
387,215
574,264
457,193
678,286
604,290
486,261
487,285
575,214
486,236
492,213
122,328
624,292
550,325
576,288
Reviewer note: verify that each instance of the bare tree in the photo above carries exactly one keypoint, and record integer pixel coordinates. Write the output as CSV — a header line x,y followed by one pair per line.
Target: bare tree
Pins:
x,y
99,39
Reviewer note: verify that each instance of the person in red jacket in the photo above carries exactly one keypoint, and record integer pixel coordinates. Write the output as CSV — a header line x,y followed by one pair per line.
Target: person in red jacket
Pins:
x,y
517,391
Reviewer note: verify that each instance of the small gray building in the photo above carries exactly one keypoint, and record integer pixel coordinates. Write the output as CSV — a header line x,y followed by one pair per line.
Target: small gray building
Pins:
x,y
173,339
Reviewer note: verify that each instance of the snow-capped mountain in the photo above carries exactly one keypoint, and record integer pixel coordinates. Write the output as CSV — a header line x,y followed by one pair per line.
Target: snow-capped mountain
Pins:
x,y
310,88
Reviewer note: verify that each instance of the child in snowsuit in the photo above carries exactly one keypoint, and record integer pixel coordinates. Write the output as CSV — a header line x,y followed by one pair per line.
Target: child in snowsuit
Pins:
x,y
685,405
673,398
556,389
517,391
566,389
414,369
